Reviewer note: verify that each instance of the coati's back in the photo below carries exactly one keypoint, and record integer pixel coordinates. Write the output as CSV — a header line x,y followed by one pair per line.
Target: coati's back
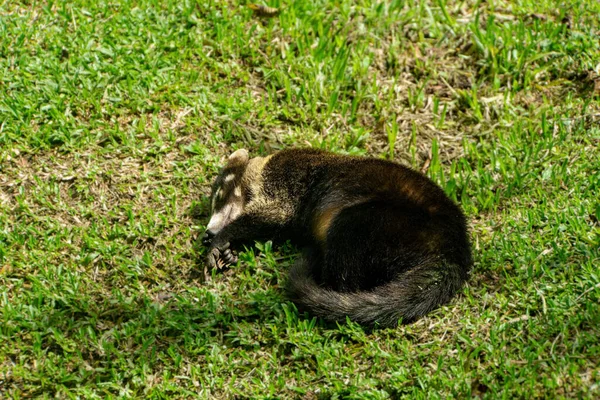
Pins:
x,y
384,242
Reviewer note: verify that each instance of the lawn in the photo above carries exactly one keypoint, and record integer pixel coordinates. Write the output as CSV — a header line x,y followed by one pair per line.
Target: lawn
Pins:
x,y
116,115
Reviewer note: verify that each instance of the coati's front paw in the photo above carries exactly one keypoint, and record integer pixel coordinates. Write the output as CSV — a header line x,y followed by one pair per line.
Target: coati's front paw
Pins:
x,y
221,256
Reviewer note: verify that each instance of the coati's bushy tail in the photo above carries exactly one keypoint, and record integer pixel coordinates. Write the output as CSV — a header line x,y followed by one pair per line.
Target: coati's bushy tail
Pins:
x,y
412,295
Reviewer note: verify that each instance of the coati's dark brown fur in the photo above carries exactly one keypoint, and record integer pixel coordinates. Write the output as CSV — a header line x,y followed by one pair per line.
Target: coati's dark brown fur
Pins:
x,y
384,242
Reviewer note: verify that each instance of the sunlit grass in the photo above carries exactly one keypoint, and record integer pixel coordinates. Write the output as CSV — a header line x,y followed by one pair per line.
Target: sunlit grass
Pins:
x,y
115,116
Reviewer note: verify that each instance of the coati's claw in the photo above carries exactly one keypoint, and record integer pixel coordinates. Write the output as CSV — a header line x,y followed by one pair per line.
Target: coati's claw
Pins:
x,y
229,257
221,256
214,258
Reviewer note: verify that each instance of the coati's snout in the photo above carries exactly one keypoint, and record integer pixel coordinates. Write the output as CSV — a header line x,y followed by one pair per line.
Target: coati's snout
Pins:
x,y
226,199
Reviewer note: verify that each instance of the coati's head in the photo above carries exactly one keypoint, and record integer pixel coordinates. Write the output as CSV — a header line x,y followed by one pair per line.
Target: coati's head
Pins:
x,y
227,197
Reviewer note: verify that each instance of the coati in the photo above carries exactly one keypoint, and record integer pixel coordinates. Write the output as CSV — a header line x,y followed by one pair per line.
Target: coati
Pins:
x,y
383,241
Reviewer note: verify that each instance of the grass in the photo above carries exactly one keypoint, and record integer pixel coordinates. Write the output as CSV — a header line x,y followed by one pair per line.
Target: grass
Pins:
x,y
115,116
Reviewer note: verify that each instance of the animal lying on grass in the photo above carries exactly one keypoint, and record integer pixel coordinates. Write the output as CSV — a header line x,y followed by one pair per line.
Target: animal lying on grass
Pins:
x,y
383,241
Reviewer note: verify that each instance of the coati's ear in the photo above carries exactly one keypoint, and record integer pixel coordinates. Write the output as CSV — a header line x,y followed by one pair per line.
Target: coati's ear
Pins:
x,y
238,157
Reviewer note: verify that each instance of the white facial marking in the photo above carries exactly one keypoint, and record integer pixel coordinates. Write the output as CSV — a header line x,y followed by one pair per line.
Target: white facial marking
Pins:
x,y
229,177
236,211
215,223
237,191
218,220
224,217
